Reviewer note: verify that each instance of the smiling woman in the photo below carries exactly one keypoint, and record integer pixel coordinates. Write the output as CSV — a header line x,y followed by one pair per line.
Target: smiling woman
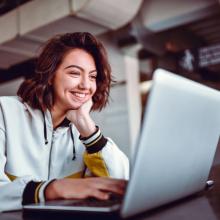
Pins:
x,y
74,83
48,141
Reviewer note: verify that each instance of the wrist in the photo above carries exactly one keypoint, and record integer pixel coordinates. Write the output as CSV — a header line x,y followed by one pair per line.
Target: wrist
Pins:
x,y
52,190
95,142
86,126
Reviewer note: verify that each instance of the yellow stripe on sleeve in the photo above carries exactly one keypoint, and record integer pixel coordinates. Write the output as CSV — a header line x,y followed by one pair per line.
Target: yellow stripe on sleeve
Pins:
x,y
36,197
96,164
79,174
10,176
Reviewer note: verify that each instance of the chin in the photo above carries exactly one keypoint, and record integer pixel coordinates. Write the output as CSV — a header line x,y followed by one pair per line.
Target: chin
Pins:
x,y
74,106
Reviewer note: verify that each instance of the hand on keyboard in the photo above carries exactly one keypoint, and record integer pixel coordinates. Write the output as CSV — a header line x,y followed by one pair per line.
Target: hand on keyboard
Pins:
x,y
96,187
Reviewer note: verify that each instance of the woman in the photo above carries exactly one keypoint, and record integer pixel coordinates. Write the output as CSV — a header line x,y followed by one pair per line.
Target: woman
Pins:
x,y
48,141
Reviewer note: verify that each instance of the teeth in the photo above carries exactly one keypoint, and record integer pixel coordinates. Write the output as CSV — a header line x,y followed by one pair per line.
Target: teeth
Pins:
x,y
80,95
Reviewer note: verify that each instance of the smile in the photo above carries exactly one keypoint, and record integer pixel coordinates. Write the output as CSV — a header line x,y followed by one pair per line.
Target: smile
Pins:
x,y
79,95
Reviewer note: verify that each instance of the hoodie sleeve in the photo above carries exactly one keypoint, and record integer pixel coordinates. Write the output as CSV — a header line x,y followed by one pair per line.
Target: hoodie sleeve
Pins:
x,y
104,158
10,191
15,191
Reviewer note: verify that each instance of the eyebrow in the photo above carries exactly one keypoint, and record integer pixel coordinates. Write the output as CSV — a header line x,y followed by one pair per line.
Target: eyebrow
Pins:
x,y
78,67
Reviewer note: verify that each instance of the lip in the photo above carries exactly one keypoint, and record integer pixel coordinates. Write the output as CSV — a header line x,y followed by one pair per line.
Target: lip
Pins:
x,y
79,95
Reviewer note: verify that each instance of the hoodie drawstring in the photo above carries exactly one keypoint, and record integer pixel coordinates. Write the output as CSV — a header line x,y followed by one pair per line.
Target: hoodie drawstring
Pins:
x,y
72,137
71,134
45,130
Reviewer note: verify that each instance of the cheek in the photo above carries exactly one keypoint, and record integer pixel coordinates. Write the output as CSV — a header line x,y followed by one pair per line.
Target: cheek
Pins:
x,y
62,87
94,88
68,83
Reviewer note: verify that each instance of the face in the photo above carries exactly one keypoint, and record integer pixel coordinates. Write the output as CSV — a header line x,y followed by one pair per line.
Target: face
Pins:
x,y
75,80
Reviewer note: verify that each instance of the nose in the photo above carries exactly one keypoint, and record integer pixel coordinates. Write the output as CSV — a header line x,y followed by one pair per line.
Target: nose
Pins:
x,y
84,82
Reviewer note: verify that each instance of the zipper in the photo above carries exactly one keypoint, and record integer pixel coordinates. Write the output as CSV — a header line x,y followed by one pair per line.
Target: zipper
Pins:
x,y
51,147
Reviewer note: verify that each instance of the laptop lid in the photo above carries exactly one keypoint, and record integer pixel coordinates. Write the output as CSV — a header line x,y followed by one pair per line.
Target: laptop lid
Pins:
x,y
175,150
177,143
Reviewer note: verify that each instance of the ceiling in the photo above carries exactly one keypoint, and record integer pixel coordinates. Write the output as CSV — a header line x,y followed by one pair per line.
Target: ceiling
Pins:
x,y
8,5
147,29
167,40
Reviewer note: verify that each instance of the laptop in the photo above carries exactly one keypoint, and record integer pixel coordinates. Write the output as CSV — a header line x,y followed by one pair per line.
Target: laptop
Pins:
x,y
175,149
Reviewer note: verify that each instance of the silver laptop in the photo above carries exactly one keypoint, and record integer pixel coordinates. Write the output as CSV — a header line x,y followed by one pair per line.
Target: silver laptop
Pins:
x,y
175,151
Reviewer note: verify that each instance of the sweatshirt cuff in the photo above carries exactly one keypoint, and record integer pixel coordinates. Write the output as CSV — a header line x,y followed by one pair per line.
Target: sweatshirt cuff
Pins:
x,y
34,192
41,193
95,142
31,192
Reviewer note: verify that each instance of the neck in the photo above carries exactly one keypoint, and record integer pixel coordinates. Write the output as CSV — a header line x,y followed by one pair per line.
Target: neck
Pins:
x,y
57,116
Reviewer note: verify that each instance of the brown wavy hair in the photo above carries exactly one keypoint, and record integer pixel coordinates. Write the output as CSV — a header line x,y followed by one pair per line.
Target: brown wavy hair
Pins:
x,y
38,92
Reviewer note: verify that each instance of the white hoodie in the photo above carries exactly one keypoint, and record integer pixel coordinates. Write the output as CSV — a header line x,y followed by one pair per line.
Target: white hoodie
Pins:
x,y
28,164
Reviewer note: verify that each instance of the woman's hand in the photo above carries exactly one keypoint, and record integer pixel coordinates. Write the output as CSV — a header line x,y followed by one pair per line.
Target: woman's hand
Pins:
x,y
82,120
84,110
97,187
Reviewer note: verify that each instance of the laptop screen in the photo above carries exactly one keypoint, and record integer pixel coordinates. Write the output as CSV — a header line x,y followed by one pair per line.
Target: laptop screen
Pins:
x,y
177,143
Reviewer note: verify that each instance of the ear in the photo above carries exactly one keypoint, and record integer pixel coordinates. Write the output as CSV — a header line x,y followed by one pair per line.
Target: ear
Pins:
x,y
50,82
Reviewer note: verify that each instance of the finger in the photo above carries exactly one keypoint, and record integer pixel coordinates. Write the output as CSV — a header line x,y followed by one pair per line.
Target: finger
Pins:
x,y
88,105
110,186
100,195
70,115
117,182
109,179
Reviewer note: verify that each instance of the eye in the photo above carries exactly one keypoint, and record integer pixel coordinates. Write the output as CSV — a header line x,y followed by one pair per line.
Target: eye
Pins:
x,y
93,77
74,73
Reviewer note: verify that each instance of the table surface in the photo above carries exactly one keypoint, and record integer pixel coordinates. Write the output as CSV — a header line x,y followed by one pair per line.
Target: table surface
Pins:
x,y
205,205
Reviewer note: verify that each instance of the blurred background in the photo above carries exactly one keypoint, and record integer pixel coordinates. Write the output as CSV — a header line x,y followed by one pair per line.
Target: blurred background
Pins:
x,y
139,35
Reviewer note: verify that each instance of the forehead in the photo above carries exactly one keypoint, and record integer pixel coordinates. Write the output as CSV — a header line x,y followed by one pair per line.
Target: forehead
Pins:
x,y
78,56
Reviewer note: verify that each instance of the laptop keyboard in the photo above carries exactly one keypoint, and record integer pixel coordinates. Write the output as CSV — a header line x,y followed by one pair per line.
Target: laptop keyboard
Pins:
x,y
91,202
